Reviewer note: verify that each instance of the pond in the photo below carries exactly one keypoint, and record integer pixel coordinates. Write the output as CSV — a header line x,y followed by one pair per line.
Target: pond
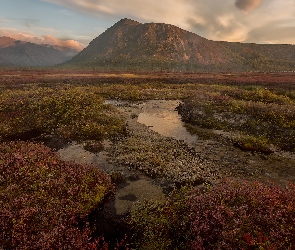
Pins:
x,y
161,117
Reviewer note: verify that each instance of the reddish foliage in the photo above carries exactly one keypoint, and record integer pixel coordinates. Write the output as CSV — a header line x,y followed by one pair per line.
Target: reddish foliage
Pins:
x,y
275,80
246,215
42,198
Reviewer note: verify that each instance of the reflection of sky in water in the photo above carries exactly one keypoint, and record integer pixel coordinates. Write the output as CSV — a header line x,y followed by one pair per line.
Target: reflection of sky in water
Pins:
x,y
166,122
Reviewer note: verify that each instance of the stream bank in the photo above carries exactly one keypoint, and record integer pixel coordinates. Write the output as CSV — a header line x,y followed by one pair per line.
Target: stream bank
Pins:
x,y
158,154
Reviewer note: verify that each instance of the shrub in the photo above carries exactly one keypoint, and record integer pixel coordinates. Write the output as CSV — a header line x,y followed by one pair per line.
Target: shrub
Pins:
x,y
162,225
231,215
76,113
43,198
243,215
253,143
258,113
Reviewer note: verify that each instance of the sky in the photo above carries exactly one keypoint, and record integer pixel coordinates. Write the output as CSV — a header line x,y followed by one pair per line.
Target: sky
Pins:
x,y
75,23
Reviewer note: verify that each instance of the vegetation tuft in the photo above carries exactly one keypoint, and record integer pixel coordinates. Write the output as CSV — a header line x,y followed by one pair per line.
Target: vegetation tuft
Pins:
x,y
44,199
253,143
263,116
47,203
230,215
72,114
242,215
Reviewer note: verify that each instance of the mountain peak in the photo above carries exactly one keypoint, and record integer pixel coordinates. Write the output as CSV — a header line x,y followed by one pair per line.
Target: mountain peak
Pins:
x,y
127,21
131,45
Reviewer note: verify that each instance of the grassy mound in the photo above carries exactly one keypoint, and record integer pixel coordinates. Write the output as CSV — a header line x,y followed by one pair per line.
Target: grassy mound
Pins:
x,y
75,113
262,117
43,198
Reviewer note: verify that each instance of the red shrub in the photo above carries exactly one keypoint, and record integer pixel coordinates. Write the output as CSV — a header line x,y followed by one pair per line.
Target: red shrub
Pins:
x,y
42,197
243,215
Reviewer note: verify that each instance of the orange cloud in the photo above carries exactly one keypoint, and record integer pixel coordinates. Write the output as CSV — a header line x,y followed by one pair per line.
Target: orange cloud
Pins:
x,y
51,40
63,43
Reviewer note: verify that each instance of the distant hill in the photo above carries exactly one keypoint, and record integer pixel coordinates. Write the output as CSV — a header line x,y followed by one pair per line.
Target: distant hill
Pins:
x,y
130,45
15,53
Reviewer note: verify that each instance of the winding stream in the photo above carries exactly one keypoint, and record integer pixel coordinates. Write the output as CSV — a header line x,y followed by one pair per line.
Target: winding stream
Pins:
x,y
161,117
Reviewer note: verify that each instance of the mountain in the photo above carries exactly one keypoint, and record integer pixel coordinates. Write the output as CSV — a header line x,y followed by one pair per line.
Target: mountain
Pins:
x,y
6,42
15,53
130,45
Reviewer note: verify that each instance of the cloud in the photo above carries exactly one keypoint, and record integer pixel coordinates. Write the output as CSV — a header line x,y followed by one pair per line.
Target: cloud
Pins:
x,y
215,20
62,42
211,18
248,5
3,20
47,39
28,22
144,11
218,21
274,32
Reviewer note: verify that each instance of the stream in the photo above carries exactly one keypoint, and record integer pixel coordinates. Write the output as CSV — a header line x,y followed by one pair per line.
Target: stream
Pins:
x,y
161,117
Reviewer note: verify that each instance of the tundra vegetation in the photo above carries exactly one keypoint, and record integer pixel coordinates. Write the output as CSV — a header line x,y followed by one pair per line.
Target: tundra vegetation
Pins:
x,y
47,203
257,117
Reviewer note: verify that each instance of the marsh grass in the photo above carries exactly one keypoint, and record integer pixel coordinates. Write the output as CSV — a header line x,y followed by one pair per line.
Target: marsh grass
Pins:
x,y
73,114
253,143
161,225
45,202
254,111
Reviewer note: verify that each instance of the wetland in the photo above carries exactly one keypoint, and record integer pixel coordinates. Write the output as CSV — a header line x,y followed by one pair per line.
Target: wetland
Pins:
x,y
153,143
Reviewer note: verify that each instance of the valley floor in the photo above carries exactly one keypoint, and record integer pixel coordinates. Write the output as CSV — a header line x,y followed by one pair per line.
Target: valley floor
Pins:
x,y
145,164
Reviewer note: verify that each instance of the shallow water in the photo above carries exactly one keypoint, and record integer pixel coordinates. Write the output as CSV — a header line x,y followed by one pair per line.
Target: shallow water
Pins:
x,y
161,117
135,187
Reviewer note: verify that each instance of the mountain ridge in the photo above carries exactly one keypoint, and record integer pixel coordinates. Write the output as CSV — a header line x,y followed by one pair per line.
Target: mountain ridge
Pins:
x,y
131,45
16,53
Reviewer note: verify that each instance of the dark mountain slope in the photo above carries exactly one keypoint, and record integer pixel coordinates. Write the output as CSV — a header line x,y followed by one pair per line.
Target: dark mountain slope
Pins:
x,y
155,46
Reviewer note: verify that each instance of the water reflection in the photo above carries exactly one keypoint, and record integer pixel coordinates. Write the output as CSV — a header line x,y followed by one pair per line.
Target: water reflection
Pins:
x,y
161,117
